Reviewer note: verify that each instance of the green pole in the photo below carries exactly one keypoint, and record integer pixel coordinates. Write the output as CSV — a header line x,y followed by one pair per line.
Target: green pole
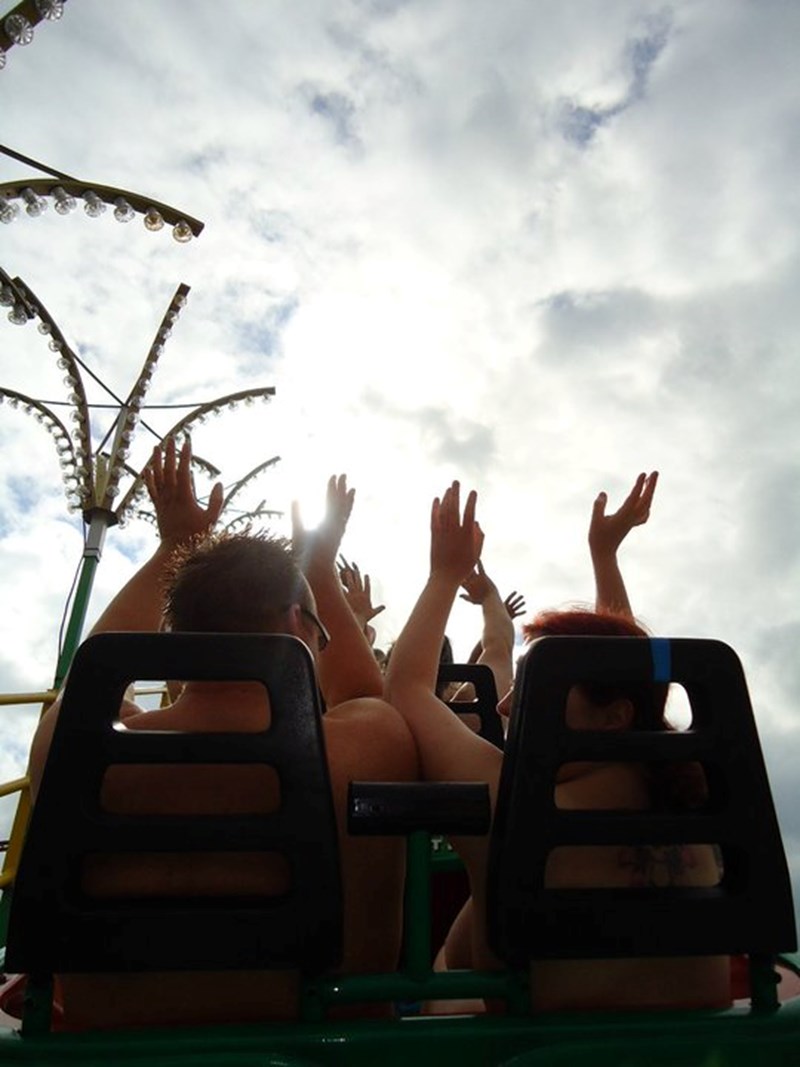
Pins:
x,y
99,520
418,905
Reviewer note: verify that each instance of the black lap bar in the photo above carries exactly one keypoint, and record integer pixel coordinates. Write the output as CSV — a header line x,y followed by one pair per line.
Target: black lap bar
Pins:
x,y
402,807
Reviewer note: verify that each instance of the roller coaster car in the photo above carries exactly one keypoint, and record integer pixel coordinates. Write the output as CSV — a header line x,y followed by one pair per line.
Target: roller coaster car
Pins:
x,y
55,928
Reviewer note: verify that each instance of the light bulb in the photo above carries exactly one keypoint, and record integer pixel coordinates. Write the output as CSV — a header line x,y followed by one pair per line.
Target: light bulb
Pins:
x,y
44,327
18,315
54,344
50,9
93,205
64,201
182,231
34,205
8,210
123,212
6,296
153,220
18,29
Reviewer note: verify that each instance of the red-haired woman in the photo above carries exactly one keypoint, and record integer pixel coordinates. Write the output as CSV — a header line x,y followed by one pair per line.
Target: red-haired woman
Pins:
x,y
450,751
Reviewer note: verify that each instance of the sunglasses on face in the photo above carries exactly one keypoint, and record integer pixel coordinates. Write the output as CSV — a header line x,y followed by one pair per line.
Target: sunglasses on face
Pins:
x,y
324,638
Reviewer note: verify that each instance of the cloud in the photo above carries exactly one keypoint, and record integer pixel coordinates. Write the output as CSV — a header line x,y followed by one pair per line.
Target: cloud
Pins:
x,y
580,123
337,110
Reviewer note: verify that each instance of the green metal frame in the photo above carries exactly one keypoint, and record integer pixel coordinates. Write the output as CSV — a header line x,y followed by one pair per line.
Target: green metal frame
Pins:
x,y
733,1038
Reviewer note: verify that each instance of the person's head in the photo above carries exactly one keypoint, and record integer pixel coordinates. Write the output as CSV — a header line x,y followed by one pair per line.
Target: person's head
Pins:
x,y
623,705
601,705
241,583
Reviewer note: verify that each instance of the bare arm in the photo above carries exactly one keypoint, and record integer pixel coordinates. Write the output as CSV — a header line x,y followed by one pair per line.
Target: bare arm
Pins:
x,y
448,749
138,605
497,640
347,667
606,534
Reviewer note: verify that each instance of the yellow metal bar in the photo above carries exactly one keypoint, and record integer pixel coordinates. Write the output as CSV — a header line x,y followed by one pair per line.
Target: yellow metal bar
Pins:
x,y
46,696
17,832
6,788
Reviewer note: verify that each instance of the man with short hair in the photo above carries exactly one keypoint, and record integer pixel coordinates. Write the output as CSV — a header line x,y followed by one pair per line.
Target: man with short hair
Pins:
x,y
248,583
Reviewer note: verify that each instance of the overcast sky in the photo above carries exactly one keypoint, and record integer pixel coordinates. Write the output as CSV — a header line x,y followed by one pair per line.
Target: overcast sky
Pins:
x,y
538,246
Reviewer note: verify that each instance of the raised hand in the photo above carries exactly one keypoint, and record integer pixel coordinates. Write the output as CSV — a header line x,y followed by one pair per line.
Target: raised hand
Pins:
x,y
478,586
358,592
319,547
348,669
514,604
168,478
456,542
607,532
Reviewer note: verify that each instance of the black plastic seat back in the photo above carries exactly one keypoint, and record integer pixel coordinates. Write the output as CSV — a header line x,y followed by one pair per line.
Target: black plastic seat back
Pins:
x,y
56,927
750,911
485,704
